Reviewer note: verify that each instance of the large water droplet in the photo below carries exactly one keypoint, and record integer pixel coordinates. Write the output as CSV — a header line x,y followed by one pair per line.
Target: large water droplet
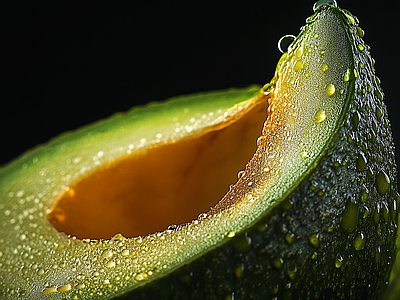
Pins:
x,y
321,3
298,66
284,42
320,116
299,52
361,162
107,254
360,32
290,238
330,90
359,241
350,217
140,277
382,183
356,120
242,243
314,240
278,262
64,288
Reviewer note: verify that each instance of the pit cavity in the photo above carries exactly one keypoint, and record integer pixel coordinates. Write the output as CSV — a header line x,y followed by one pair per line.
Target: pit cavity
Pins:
x,y
145,192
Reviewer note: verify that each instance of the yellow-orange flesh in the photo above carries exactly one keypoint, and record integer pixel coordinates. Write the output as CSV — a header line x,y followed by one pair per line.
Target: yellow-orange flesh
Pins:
x,y
146,192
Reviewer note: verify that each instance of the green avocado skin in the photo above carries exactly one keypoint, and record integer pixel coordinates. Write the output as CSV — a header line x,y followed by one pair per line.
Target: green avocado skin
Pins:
x,y
334,236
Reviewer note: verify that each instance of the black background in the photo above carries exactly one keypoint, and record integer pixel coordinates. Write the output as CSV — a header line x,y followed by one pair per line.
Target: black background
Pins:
x,y
66,64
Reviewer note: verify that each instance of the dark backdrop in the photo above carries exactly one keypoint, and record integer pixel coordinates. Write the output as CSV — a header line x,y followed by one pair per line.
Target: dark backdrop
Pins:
x,y
66,64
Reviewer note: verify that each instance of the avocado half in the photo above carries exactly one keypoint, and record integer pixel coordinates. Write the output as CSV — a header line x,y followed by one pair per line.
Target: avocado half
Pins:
x,y
137,207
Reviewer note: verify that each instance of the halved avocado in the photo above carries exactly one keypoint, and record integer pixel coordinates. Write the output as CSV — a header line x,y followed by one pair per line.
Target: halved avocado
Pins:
x,y
312,215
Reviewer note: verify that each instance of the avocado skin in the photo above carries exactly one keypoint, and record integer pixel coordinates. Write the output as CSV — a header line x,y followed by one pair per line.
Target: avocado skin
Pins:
x,y
301,249
306,271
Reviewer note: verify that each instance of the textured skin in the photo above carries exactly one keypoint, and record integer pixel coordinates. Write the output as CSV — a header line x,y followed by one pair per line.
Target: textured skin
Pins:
x,y
333,237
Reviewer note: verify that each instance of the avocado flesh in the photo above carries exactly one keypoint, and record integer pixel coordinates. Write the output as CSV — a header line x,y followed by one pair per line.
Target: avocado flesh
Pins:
x,y
158,186
315,234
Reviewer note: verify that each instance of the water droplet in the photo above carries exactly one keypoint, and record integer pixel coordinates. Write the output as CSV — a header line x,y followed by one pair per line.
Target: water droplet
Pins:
x,y
347,75
284,43
107,254
242,243
321,3
287,204
239,270
262,227
290,238
240,174
278,262
361,162
231,234
364,196
324,67
382,183
330,90
378,254
64,288
351,19
49,290
393,210
350,217
360,32
377,215
359,241
385,211
378,94
378,113
106,282
339,261
298,65
320,116
110,264
314,239
356,120
299,52
40,272
292,273
140,276
172,227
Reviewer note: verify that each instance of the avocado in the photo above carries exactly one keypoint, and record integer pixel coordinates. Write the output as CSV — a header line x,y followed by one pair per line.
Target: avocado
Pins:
x,y
313,214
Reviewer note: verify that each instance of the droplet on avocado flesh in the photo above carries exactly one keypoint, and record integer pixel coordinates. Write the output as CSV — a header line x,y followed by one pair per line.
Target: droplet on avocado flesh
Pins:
x,y
350,217
320,116
321,3
330,90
